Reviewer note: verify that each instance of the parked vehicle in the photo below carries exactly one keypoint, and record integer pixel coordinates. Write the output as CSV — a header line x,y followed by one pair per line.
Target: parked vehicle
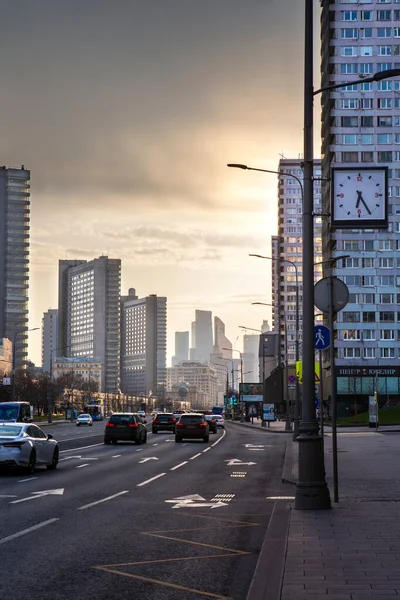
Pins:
x,y
192,425
26,445
127,427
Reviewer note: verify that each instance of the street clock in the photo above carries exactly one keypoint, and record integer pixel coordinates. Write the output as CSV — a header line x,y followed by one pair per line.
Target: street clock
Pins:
x,y
359,197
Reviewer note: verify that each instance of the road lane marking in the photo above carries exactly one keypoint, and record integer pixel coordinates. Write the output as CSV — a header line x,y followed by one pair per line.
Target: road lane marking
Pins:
x,y
207,449
219,439
7,496
116,456
155,444
195,456
25,480
102,500
150,480
147,459
239,474
81,466
177,466
81,448
25,531
41,494
139,449
222,498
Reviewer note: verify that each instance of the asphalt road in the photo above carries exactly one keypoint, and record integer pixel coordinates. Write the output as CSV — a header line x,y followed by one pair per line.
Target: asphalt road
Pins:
x,y
162,520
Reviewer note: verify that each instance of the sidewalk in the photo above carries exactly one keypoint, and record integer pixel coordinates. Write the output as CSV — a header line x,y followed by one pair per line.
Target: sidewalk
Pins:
x,y
351,552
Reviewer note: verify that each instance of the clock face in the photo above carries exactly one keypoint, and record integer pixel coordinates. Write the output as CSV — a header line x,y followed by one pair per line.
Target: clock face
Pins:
x,y
359,197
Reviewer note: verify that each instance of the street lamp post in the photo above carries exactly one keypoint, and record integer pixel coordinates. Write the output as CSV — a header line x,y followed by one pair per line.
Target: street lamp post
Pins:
x,y
14,353
241,376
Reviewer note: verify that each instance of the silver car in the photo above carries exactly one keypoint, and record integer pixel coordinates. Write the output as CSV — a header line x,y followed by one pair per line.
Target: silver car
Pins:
x,y
84,420
26,445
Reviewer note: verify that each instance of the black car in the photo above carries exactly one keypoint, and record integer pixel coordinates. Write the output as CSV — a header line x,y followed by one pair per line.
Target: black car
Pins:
x,y
163,422
212,423
127,427
192,425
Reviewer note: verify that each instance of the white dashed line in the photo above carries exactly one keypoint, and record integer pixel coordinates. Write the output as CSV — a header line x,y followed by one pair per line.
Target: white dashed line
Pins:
x,y
82,448
25,480
116,456
195,456
207,449
177,466
150,480
102,500
25,531
139,449
81,466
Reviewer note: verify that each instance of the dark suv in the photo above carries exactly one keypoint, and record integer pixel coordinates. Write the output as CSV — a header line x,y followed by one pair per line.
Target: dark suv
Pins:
x,y
163,422
192,425
127,427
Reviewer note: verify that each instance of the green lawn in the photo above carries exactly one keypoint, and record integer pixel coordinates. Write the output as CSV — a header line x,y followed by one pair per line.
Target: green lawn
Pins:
x,y
386,417
44,418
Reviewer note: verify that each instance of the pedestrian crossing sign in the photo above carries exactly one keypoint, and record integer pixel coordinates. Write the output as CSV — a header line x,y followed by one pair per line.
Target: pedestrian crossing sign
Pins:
x,y
299,371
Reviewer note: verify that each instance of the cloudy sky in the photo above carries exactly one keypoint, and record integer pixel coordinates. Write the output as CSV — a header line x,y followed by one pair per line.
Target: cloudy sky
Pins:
x,y
127,112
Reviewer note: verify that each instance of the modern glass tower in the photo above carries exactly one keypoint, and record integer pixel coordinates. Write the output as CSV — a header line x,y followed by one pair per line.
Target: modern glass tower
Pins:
x,y
14,258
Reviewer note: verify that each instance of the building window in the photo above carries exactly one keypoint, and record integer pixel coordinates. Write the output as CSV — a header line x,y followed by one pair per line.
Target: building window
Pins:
x,y
387,334
366,50
384,32
351,335
368,335
384,156
350,245
351,352
349,33
386,317
368,317
351,317
367,157
349,157
384,138
368,352
367,281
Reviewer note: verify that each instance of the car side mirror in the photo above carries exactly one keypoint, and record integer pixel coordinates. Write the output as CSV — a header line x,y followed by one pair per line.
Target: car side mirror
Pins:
x,y
49,436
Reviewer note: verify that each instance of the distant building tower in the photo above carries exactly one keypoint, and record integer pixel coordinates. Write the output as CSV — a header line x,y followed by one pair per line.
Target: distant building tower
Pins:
x,y
49,338
251,369
143,344
14,259
181,347
202,336
222,346
89,314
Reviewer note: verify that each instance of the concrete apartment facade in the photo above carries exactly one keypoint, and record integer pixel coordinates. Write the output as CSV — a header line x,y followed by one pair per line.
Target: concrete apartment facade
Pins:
x,y
288,246
203,376
361,128
89,314
14,258
143,344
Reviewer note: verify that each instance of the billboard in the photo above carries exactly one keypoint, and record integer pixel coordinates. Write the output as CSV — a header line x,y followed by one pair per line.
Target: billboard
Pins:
x,y
251,392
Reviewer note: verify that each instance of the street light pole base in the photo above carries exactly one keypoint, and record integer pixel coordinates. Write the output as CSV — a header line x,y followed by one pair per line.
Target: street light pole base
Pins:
x,y
288,424
312,491
296,422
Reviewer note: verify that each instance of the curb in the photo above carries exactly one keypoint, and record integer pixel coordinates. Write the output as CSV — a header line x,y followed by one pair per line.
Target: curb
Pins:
x,y
259,428
41,424
268,575
291,463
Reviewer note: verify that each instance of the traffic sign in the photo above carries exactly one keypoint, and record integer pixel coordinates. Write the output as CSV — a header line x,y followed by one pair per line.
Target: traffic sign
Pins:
x,y
292,379
299,371
322,338
316,401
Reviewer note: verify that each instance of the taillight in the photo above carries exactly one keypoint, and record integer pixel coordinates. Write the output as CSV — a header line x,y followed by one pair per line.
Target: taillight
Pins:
x,y
179,424
172,420
156,421
203,424
133,425
13,444
110,425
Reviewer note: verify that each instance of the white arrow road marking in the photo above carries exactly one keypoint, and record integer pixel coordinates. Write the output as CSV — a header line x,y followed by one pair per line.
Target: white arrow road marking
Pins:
x,y
235,461
25,531
146,459
42,494
199,505
194,501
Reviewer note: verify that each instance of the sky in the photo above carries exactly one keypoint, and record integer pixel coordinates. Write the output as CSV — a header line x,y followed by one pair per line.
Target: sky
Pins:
x,y
126,113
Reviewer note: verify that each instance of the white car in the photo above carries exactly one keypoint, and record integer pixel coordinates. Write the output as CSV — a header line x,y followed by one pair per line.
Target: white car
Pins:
x,y
26,445
84,420
220,421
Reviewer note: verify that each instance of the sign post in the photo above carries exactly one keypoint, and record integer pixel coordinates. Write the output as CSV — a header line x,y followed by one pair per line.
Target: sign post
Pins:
x,y
321,342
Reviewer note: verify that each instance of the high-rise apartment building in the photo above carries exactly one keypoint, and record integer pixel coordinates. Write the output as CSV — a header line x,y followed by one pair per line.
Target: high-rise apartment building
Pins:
x,y
49,338
89,314
287,250
361,128
181,347
14,259
202,336
143,344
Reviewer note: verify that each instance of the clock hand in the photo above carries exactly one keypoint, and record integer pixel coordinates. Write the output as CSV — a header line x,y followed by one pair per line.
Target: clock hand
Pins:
x,y
361,199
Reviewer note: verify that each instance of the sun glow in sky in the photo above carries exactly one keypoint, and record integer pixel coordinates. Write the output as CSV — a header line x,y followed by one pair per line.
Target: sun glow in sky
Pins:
x,y
126,113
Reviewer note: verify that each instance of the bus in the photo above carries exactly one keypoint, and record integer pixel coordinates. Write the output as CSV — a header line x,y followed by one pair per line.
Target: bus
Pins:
x,y
20,412
96,411
217,410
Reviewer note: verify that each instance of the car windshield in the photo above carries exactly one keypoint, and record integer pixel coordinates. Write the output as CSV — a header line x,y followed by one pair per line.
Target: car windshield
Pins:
x,y
84,417
10,431
8,413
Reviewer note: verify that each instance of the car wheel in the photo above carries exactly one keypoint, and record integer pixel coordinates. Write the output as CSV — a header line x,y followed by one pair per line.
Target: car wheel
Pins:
x,y
32,463
145,438
90,424
206,439
114,441
154,431
54,462
77,424
107,442
178,439
138,440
